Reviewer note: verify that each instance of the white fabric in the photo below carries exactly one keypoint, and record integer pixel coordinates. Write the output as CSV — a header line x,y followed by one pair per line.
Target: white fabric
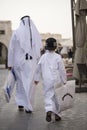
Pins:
x,y
24,69
53,71
24,37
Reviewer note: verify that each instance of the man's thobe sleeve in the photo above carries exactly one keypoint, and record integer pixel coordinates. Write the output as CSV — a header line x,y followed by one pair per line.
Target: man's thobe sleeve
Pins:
x,y
38,73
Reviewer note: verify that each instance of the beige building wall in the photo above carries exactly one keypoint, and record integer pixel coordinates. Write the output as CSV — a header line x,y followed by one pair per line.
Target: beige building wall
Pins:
x,y
5,36
5,32
58,37
6,27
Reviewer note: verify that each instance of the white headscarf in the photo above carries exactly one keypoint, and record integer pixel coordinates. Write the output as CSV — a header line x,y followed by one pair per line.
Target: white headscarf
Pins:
x,y
26,32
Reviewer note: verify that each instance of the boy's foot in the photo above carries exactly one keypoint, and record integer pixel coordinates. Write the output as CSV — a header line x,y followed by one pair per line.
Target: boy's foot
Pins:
x,y
57,117
21,108
48,116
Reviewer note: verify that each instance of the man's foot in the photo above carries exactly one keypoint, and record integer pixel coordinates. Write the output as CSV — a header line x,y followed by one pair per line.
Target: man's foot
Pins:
x,y
21,108
48,116
28,111
57,117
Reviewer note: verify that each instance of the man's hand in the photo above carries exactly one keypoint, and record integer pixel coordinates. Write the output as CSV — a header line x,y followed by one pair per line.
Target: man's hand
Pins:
x,y
9,68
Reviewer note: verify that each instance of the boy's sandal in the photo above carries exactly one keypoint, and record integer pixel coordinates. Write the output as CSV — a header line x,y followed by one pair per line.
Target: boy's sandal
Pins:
x,y
48,116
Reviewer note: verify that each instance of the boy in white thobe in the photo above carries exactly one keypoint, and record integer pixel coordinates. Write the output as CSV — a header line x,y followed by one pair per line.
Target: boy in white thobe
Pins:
x,y
53,71
23,54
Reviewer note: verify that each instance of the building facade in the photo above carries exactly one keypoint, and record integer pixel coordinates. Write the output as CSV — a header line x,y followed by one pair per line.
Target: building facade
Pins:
x,y
5,36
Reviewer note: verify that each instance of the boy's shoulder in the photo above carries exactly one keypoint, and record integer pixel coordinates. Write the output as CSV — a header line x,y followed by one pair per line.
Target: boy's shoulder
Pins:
x,y
58,55
42,56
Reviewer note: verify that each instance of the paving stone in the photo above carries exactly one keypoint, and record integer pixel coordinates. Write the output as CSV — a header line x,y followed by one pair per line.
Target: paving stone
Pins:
x,y
11,119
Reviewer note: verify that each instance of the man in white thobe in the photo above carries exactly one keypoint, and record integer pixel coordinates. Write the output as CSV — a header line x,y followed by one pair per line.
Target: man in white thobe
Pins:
x,y
53,72
23,55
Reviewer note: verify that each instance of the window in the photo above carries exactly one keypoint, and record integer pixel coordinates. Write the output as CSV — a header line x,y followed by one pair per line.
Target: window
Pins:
x,y
2,31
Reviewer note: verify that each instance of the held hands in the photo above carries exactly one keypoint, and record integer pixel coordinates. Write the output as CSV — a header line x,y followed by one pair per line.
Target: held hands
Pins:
x,y
36,82
9,68
64,83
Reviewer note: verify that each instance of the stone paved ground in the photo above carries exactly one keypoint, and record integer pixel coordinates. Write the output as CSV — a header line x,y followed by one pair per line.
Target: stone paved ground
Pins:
x,y
3,74
11,119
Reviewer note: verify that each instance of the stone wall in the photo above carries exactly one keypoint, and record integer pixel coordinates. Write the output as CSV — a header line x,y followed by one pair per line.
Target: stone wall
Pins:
x,y
5,32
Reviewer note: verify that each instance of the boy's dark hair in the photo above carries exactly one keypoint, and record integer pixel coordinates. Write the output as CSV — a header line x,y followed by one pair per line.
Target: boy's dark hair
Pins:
x,y
51,44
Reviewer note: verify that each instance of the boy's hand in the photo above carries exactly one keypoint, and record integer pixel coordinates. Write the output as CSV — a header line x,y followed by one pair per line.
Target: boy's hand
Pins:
x,y
36,82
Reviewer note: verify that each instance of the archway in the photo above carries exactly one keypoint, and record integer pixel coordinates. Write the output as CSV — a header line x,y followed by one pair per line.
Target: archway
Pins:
x,y
3,54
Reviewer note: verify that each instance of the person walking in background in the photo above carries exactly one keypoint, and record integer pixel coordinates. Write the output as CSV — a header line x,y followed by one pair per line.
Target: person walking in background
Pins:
x,y
53,72
23,55
70,53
